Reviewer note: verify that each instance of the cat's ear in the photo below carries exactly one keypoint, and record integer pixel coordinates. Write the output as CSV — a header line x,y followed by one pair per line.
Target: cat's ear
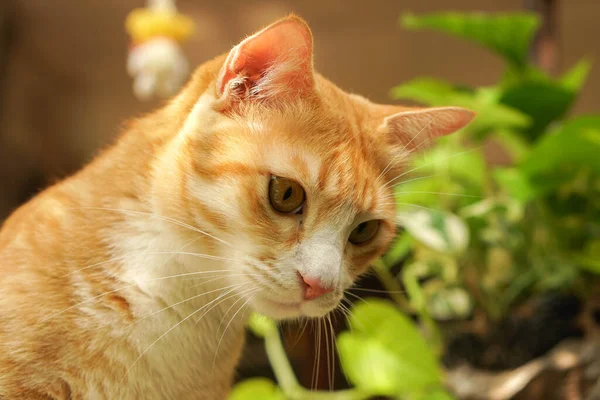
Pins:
x,y
273,63
417,129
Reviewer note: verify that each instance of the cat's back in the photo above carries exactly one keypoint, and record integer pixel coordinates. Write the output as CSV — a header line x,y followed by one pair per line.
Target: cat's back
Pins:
x,y
36,285
26,239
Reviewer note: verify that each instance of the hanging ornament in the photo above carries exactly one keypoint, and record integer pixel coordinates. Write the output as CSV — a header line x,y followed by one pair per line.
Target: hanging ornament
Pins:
x,y
156,61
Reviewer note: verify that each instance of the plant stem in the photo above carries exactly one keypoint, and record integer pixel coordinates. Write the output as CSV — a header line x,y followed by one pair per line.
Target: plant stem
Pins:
x,y
279,362
287,379
417,301
390,283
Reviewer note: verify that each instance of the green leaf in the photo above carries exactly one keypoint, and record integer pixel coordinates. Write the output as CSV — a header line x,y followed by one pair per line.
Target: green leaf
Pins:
x,y
449,303
441,231
509,35
400,249
428,91
543,98
256,388
492,115
528,73
543,102
386,342
468,165
577,143
484,101
410,278
514,143
576,76
515,183
590,259
369,365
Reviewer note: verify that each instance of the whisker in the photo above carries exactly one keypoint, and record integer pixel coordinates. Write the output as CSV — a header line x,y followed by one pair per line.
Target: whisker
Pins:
x,y
224,276
417,206
333,352
162,336
441,193
207,256
232,296
229,309
186,300
300,335
378,290
318,354
313,378
161,217
411,205
230,321
126,287
85,301
401,152
357,297
429,163
346,313
328,356
343,310
418,178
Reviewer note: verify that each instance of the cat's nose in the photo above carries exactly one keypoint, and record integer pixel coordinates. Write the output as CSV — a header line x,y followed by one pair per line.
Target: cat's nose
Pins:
x,y
313,287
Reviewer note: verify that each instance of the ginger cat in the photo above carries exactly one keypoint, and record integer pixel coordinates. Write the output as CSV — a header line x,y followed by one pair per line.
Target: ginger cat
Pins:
x,y
260,187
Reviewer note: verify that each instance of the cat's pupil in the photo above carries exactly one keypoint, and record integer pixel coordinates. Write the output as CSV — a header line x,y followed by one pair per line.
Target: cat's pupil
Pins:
x,y
362,227
287,194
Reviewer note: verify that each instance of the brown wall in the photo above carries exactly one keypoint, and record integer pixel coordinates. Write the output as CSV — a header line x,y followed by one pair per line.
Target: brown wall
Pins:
x,y
65,91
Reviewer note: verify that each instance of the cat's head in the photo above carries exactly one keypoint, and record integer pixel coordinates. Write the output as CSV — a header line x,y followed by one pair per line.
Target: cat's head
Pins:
x,y
294,174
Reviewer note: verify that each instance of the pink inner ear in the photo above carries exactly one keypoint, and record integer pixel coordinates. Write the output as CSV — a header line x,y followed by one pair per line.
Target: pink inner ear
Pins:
x,y
286,44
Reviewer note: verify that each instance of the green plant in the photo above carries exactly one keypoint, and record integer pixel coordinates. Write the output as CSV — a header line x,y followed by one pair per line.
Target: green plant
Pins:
x,y
485,236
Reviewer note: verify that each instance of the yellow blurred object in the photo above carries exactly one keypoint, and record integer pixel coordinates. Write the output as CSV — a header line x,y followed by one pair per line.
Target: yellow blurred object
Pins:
x,y
156,61
144,24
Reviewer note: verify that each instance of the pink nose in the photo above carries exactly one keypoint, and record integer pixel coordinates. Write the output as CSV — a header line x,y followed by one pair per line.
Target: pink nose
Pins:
x,y
313,288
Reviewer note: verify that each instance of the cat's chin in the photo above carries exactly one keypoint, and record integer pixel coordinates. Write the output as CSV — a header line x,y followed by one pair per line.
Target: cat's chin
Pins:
x,y
289,310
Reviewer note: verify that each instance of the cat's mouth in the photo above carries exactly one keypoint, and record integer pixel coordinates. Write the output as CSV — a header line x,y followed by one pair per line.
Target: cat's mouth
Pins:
x,y
292,309
292,306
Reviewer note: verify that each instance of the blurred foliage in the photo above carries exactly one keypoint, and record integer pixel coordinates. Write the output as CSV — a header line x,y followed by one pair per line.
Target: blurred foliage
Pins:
x,y
478,235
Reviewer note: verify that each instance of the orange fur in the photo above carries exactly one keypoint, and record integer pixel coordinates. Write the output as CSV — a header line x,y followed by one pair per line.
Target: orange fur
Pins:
x,y
177,211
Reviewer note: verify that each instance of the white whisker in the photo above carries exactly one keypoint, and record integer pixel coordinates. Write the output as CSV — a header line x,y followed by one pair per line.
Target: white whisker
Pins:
x,y
162,336
378,291
333,352
429,163
401,152
442,193
199,255
186,300
161,217
328,357
230,321
128,286
224,299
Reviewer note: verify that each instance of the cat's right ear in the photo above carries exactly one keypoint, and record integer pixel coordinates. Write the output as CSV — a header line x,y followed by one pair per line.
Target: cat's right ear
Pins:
x,y
275,63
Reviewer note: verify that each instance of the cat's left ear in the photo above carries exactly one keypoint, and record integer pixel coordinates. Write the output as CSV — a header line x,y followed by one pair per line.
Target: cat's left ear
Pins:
x,y
274,63
417,129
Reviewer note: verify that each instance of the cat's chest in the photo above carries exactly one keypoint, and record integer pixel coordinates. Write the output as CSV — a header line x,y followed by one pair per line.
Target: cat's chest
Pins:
x,y
182,341
171,353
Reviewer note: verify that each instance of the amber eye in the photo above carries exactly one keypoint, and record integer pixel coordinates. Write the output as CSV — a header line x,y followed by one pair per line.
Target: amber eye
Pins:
x,y
286,196
364,232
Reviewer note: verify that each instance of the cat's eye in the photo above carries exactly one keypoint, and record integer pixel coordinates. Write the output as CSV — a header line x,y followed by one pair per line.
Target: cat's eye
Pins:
x,y
364,232
286,195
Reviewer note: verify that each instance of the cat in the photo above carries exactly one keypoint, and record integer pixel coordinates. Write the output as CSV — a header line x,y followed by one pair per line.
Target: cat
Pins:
x,y
261,186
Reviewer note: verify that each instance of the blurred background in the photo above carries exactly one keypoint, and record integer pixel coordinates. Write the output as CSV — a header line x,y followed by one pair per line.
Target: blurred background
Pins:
x,y
65,92
64,89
